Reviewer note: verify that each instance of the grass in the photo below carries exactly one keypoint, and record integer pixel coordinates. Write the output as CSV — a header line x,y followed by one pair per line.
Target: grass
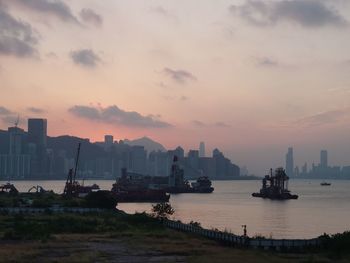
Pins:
x,y
118,237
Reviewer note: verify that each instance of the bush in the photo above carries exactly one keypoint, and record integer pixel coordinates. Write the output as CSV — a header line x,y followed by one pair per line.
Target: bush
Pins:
x,y
337,243
101,199
162,210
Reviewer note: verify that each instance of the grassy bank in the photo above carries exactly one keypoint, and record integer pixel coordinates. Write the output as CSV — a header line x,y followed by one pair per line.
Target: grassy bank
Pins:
x,y
118,237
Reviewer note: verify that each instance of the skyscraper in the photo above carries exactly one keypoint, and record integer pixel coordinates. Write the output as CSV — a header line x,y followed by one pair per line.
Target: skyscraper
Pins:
x,y
15,142
290,162
201,149
37,132
37,139
324,158
108,142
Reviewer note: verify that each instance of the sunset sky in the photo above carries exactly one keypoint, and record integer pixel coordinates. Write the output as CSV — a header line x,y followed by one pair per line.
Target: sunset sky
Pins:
x,y
249,77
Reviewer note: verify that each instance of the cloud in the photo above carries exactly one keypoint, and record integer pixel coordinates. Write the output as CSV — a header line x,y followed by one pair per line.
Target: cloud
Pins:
x,y
218,124
35,110
4,111
116,116
52,55
222,124
307,13
85,57
266,62
161,11
89,16
55,8
180,76
198,123
325,117
7,116
17,38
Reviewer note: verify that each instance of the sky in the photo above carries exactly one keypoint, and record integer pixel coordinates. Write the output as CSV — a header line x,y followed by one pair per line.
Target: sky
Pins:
x,y
248,77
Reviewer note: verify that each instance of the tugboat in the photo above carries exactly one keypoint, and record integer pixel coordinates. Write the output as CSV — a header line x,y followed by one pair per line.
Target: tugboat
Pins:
x,y
203,185
72,187
132,187
325,184
275,186
177,184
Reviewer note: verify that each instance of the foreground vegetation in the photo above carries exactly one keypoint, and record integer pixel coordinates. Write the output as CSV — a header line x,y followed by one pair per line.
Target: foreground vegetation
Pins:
x,y
119,237
100,199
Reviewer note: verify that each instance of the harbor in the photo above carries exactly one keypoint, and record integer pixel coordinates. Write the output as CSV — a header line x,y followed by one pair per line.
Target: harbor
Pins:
x,y
231,205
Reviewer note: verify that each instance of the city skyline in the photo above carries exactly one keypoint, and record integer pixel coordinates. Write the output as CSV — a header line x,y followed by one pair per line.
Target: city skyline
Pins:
x,y
34,155
36,138
136,69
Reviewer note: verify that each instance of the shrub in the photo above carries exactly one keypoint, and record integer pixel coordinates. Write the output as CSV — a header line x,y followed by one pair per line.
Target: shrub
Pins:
x,y
162,210
101,199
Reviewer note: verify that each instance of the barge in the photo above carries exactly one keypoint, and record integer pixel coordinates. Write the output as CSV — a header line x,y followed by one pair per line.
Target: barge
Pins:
x,y
275,186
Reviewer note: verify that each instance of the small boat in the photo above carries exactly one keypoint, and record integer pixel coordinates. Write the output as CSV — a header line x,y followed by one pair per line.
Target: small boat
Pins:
x,y
202,185
325,184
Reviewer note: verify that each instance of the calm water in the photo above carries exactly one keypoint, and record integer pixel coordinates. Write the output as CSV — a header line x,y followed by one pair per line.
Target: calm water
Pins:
x,y
319,209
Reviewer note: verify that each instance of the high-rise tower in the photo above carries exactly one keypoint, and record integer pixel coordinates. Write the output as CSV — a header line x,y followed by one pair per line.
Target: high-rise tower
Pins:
x,y
37,132
290,162
201,149
324,159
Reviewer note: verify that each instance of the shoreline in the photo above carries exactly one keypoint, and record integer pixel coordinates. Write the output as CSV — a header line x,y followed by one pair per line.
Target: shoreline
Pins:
x,y
120,237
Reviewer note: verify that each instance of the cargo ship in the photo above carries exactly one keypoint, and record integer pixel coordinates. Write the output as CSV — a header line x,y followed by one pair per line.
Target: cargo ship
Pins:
x,y
133,187
275,186
178,185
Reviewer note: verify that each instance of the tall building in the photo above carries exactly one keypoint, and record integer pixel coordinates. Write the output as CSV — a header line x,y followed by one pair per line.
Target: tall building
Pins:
x,y
15,140
201,149
15,164
324,159
37,143
290,162
108,142
37,132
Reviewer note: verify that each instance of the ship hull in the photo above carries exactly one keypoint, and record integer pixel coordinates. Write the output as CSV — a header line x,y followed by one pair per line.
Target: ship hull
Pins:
x,y
141,197
175,190
276,197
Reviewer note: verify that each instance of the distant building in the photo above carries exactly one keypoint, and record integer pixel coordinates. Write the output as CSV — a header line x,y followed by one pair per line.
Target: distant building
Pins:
x,y
15,140
15,164
37,132
138,159
324,158
304,169
108,143
201,149
37,141
290,162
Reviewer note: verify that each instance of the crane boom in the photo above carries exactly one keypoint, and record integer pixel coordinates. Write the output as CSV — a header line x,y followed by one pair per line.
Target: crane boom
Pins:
x,y
76,162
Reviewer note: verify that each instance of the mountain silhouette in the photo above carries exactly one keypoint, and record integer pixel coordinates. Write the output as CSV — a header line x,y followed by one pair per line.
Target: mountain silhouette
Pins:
x,y
149,144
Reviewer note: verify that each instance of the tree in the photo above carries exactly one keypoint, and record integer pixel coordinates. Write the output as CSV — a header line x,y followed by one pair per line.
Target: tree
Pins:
x,y
162,210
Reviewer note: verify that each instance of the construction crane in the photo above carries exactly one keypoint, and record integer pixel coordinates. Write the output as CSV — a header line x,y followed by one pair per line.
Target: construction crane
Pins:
x,y
71,186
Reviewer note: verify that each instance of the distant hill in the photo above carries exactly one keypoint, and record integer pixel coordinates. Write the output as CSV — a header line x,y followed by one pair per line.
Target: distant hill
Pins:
x,y
149,144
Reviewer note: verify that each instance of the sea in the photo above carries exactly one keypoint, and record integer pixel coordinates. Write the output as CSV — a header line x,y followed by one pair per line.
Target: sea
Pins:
x,y
319,209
